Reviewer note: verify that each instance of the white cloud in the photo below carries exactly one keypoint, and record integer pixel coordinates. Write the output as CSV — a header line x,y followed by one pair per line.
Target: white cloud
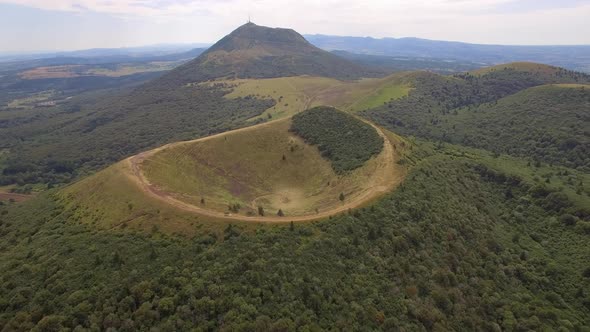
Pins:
x,y
348,8
119,7
483,21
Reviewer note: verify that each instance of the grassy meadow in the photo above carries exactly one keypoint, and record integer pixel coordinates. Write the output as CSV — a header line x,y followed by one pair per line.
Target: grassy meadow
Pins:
x,y
366,93
295,94
265,166
110,200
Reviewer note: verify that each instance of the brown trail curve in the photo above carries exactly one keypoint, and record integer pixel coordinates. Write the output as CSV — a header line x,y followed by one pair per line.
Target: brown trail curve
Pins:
x,y
389,177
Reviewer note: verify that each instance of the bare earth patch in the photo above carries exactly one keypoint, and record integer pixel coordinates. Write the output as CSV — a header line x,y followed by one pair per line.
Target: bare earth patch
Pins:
x,y
4,196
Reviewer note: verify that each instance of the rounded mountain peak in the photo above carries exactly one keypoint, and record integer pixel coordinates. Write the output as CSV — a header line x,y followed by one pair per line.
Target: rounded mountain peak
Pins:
x,y
253,51
251,35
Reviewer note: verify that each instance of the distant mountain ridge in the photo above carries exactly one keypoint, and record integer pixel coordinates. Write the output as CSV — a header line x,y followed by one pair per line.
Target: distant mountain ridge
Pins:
x,y
253,51
575,57
98,60
129,52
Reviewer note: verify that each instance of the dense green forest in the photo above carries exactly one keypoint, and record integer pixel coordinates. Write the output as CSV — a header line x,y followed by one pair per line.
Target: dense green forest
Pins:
x,y
461,245
92,131
487,111
548,124
343,139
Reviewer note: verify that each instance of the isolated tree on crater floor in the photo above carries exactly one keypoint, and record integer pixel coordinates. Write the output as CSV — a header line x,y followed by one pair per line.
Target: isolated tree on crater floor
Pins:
x,y
261,211
203,201
280,213
341,197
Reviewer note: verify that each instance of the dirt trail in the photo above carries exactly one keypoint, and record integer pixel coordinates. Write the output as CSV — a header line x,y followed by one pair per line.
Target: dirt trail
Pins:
x,y
389,177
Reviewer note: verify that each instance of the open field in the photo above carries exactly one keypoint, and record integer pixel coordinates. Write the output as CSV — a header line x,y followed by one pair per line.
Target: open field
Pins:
x,y
110,70
291,94
14,197
65,71
572,86
33,100
295,94
366,93
130,69
381,95
6,195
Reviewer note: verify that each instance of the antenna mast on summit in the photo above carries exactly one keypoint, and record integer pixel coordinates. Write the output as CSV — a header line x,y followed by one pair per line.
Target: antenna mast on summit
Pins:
x,y
249,21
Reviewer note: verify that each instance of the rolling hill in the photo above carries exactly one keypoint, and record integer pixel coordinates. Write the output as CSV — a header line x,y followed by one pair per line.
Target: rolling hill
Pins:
x,y
548,124
545,106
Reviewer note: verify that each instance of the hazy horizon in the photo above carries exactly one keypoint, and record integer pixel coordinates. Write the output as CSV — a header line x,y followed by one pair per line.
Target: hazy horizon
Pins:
x,y
65,25
164,45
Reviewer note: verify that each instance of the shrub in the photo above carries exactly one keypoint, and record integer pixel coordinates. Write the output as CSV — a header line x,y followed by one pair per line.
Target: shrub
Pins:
x,y
568,219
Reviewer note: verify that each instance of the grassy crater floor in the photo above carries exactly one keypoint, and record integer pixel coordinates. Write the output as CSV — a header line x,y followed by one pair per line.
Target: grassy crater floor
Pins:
x,y
263,166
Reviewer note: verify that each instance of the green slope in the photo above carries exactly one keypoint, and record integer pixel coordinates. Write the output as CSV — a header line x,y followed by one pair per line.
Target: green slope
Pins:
x,y
547,123
450,250
494,110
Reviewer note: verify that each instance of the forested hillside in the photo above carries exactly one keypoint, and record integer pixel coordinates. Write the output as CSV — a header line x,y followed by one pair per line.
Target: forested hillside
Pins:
x,y
56,145
460,245
547,123
485,109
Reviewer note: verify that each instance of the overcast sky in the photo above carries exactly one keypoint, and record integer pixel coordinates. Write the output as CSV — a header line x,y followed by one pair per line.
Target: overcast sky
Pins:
x,y
27,25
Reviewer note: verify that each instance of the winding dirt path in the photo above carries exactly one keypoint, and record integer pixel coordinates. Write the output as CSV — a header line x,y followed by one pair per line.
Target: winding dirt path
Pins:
x,y
388,175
